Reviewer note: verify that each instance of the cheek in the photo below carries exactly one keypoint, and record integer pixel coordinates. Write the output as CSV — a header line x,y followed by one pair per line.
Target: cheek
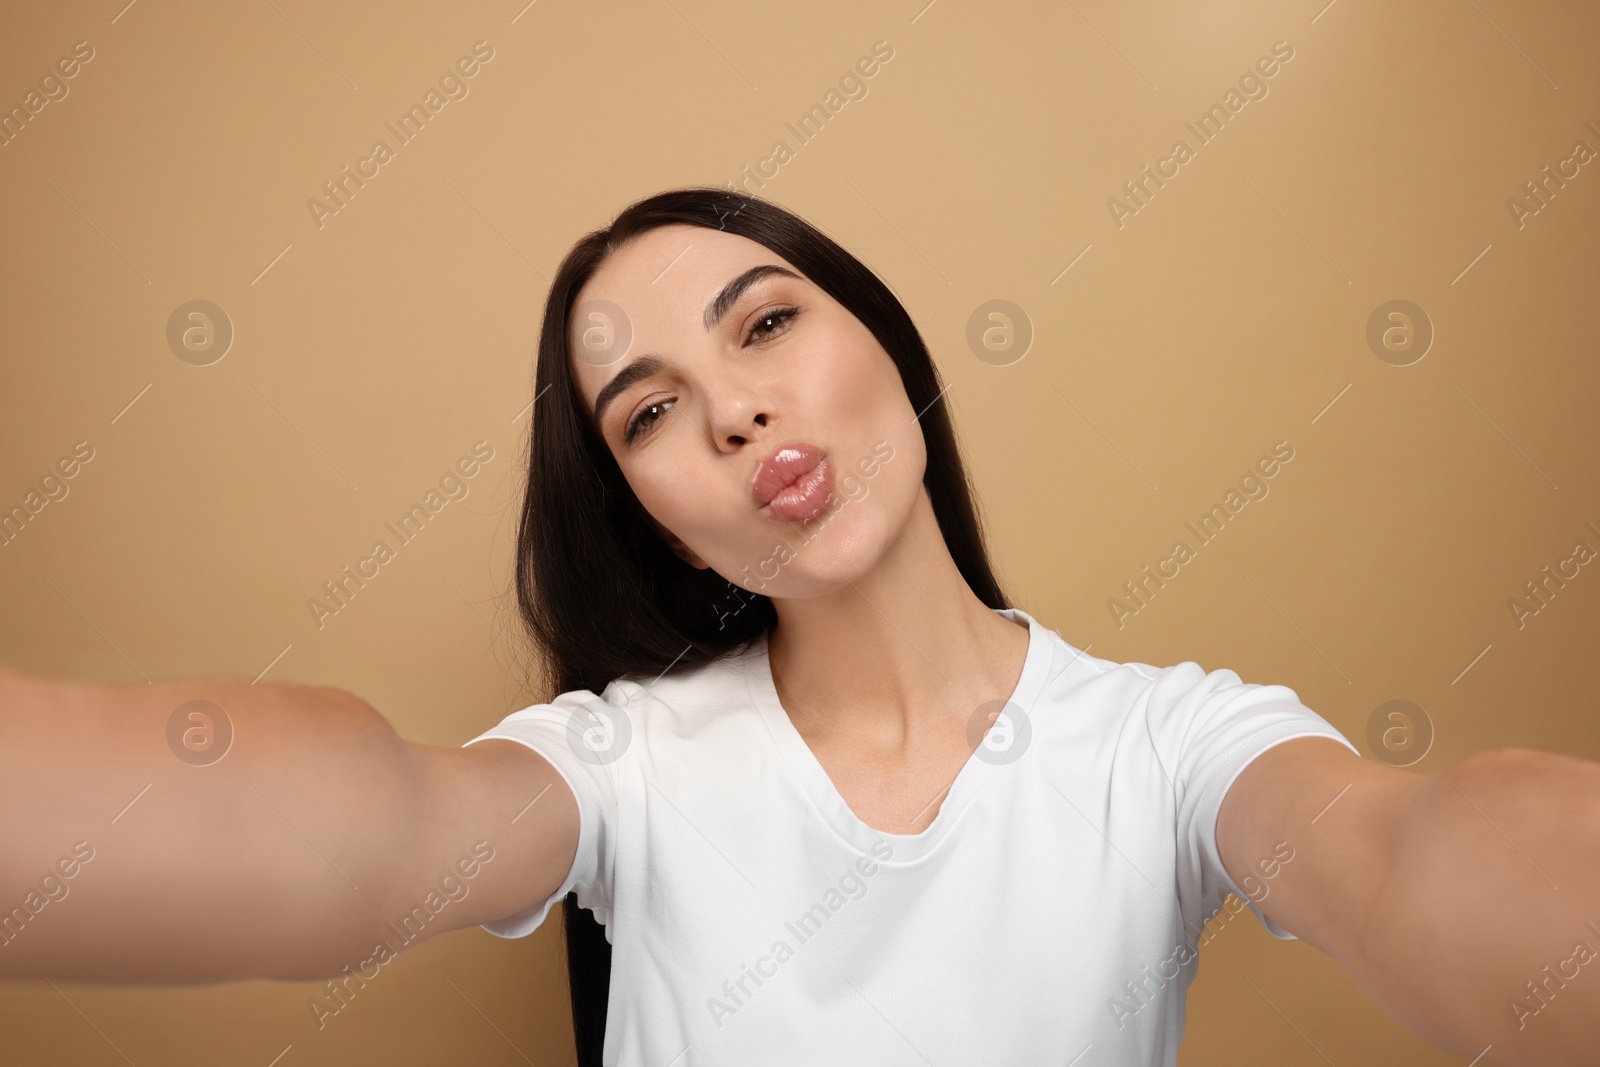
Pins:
x,y
699,498
854,380
858,403
670,488
871,417
849,395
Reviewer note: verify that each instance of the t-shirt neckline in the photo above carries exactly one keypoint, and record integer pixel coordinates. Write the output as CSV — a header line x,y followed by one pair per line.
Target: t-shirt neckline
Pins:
x,y
813,778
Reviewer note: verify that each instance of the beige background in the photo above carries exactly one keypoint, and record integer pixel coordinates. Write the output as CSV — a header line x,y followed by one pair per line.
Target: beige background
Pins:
x,y
1229,313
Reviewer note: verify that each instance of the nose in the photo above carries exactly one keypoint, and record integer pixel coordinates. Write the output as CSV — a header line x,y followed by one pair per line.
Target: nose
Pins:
x,y
738,415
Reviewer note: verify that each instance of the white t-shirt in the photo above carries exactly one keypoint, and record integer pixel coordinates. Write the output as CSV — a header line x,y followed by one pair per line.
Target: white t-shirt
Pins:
x,y
1048,915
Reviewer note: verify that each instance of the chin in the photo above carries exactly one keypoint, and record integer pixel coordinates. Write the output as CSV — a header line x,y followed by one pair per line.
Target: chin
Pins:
x,y
806,560
833,560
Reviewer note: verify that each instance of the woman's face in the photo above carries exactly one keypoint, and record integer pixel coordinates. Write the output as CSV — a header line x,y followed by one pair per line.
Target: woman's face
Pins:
x,y
697,429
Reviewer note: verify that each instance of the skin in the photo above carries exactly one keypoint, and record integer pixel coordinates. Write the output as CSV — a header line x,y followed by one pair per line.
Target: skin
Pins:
x,y
882,653
1442,895
317,801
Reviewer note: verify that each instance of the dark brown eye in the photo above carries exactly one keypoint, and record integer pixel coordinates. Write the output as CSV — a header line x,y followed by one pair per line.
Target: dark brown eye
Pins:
x,y
770,322
641,420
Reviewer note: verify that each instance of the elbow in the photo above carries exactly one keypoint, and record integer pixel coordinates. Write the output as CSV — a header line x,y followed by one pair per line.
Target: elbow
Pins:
x,y
1495,859
1493,764
1527,785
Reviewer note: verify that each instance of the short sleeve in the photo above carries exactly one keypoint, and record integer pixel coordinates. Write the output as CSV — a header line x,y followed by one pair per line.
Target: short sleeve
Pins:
x,y
583,736
1207,727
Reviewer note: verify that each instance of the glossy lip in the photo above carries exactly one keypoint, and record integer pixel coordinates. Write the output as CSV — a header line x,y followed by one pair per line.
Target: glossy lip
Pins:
x,y
803,499
806,498
787,464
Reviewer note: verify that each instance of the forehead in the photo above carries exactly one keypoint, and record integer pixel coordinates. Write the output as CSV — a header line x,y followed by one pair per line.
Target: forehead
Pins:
x,y
667,268
661,282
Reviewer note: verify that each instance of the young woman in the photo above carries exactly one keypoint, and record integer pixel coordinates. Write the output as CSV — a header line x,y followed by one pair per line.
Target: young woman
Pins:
x,y
833,799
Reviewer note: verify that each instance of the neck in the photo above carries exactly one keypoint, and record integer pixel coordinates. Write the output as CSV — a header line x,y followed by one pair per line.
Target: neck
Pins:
x,y
900,654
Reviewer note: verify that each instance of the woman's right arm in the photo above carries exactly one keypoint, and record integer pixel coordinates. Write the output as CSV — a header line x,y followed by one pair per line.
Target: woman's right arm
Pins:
x,y
130,855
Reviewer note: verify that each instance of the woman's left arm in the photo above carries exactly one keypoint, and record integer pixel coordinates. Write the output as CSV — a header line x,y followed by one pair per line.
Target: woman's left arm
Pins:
x,y
1467,903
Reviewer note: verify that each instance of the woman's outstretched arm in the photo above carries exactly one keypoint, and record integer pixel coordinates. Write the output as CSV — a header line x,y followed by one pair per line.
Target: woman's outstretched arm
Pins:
x,y
1466,902
129,853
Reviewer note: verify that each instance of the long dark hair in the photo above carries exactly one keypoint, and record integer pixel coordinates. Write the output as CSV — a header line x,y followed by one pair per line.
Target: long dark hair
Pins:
x,y
600,592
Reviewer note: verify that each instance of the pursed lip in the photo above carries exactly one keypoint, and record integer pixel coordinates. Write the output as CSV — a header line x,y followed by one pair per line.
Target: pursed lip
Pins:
x,y
787,464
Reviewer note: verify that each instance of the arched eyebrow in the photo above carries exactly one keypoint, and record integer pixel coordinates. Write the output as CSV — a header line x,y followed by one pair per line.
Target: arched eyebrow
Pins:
x,y
731,292
649,364
641,368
